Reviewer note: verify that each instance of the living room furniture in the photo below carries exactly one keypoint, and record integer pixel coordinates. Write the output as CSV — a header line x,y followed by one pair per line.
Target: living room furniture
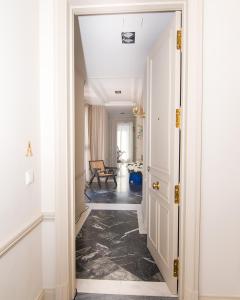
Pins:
x,y
99,170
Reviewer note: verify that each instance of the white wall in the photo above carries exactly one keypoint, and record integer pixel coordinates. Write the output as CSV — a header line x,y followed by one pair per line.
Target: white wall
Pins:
x,y
220,220
80,75
20,268
47,115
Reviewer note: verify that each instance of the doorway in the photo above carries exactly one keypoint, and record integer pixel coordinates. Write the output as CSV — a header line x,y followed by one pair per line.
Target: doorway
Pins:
x,y
189,225
136,38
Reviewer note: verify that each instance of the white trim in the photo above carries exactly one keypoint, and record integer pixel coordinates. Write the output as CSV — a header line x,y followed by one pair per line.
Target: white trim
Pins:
x,y
113,206
26,229
82,220
22,233
49,294
40,296
191,142
219,298
48,216
122,287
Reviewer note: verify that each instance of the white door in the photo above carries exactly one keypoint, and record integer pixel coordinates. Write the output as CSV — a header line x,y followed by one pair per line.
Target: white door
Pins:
x,y
163,151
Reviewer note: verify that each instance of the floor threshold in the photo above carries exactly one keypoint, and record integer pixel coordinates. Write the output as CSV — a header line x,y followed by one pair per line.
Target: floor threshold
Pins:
x,y
122,287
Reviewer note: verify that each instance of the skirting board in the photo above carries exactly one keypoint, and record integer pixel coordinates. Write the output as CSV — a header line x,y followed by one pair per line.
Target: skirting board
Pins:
x,y
47,294
218,298
40,296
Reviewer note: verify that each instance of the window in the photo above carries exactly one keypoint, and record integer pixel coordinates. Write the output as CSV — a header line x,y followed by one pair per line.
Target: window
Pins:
x,y
125,141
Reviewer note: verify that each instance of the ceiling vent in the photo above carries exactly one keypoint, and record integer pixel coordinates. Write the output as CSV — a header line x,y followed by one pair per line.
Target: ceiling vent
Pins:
x,y
128,37
118,92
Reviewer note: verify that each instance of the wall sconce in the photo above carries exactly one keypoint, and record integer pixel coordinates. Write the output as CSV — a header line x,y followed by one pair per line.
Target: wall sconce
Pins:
x,y
138,111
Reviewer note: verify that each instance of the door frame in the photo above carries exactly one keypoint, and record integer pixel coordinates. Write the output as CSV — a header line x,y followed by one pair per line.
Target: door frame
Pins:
x,y
192,14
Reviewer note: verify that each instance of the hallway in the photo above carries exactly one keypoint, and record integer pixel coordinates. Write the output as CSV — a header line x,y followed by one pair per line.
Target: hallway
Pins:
x,y
111,246
109,193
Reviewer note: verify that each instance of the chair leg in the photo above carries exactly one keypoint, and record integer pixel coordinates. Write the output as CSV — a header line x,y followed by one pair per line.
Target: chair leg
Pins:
x,y
115,181
106,180
91,180
99,182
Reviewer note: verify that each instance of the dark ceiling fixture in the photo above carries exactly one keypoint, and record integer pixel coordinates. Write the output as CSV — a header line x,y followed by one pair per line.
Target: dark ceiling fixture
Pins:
x,y
128,37
118,92
122,113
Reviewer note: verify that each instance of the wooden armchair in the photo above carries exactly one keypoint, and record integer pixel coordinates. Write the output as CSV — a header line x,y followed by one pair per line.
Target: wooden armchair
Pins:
x,y
99,170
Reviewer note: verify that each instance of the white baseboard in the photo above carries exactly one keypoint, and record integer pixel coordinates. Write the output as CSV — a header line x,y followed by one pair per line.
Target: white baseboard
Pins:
x,y
82,220
49,294
40,296
219,298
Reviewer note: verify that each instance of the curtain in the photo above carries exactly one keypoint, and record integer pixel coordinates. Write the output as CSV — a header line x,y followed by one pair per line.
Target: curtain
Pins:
x,y
98,131
125,141
87,155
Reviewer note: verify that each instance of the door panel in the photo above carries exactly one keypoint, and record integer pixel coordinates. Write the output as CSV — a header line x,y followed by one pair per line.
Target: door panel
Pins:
x,y
163,152
153,221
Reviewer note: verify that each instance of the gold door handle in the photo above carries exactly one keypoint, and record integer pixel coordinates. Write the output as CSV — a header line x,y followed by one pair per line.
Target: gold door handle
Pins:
x,y
156,185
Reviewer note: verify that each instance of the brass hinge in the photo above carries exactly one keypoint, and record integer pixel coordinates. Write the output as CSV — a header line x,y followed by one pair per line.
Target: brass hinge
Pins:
x,y
179,39
178,117
175,267
177,194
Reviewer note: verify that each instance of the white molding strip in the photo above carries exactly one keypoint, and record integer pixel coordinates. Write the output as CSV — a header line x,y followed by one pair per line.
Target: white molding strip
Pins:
x,y
11,242
219,297
49,294
81,221
6,246
48,216
122,287
40,296
113,206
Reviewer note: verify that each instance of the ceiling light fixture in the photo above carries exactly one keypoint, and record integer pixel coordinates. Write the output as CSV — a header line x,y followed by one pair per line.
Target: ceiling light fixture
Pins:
x,y
118,92
128,37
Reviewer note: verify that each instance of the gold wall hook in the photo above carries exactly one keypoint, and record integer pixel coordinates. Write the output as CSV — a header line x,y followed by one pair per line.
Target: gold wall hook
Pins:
x,y
29,152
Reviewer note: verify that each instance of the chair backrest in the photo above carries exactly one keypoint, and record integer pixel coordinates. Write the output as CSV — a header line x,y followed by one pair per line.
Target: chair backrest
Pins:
x,y
96,164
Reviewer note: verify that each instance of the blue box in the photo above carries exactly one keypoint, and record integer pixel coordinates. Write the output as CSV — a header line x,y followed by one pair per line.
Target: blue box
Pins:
x,y
135,178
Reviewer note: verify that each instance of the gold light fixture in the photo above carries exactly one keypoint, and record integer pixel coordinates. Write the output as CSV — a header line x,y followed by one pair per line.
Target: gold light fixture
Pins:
x,y
138,111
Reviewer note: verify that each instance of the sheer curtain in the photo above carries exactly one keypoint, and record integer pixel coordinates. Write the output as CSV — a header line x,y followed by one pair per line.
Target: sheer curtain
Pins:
x,y
125,141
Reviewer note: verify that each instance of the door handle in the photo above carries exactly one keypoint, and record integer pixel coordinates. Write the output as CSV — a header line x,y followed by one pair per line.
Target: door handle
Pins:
x,y
156,185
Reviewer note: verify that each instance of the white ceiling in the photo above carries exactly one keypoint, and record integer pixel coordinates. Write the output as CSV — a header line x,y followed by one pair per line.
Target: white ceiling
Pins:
x,y
125,111
111,65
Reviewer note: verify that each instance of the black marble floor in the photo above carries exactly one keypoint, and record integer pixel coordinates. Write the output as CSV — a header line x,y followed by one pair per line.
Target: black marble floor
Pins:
x,y
109,193
109,246
119,297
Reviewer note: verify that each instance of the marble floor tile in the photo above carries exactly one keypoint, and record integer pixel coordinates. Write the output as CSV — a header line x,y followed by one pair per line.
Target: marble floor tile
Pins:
x,y
108,193
109,246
